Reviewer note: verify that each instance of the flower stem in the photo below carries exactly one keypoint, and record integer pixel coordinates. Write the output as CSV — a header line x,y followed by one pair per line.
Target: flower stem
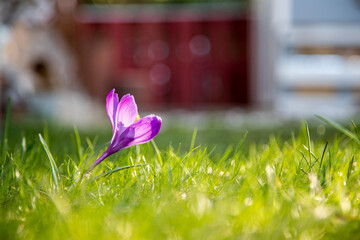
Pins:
x,y
99,160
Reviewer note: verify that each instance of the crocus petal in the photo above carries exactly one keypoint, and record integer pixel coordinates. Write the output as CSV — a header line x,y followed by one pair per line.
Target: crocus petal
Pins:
x,y
112,101
141,131
126,111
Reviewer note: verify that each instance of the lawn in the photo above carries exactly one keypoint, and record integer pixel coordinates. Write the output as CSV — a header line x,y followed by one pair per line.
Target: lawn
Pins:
x,y
246,182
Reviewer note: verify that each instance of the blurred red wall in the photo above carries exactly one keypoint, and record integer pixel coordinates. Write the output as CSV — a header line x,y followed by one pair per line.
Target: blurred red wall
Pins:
x,y
168,62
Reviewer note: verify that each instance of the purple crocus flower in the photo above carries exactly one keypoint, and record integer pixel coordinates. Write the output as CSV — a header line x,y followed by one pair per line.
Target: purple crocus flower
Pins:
x,y
128,128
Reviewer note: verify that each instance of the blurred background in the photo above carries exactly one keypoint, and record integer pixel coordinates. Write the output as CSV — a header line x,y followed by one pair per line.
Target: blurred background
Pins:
x,y
279,58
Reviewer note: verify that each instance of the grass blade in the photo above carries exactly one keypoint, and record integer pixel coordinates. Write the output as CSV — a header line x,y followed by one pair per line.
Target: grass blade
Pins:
x,y
322,157
307,162
170,175
310,152
193,138
4,139
355,128
77,145
116,170
5,131
158,153
309,140
54,169
238,147
340,128
350,168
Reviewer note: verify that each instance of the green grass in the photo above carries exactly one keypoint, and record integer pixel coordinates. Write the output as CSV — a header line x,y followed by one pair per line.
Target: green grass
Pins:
x,y
214,183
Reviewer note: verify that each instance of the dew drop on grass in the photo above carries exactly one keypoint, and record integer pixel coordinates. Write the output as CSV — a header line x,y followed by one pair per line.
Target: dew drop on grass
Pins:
x,y
242,169
270,173
345,205
322,212
248,201
203,203
17,173
261,181
321,129
183,196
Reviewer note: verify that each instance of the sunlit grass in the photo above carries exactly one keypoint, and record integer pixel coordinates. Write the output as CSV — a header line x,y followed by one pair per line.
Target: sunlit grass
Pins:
x,y
297,187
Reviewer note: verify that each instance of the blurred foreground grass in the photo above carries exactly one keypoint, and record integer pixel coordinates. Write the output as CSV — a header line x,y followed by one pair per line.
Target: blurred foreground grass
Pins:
x,y
205,185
